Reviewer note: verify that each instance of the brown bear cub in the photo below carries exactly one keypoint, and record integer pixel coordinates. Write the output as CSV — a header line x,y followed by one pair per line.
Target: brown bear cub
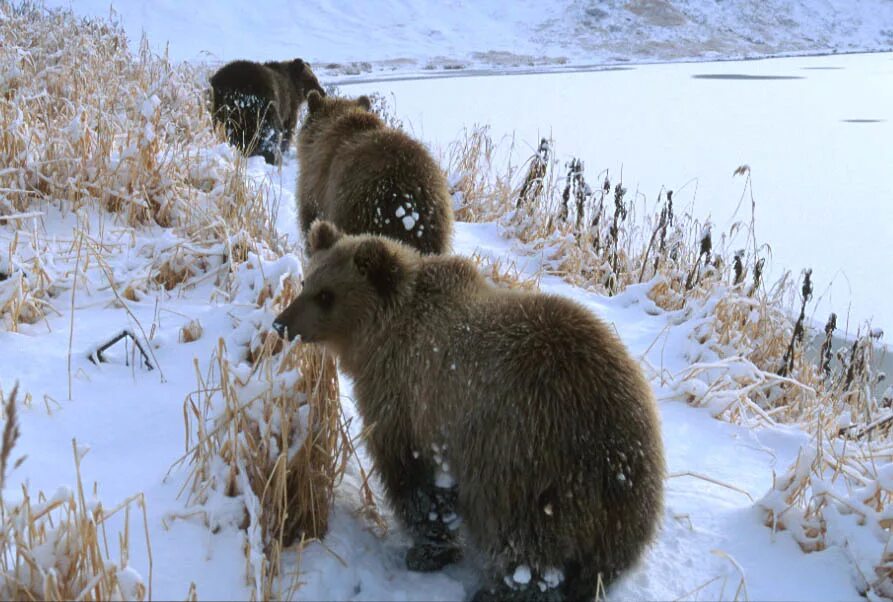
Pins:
x,y
258,104
368,178
519,415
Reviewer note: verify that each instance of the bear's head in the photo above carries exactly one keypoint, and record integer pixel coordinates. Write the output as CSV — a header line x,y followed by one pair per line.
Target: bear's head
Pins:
x,y
322,109
351,285
303,78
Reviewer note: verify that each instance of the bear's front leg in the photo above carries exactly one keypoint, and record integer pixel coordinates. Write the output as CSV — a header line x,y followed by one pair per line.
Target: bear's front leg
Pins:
x,y
434,525
285,140
428,511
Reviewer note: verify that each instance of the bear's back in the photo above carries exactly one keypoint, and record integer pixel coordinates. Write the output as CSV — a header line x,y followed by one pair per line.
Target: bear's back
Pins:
x,y
246,77
529,338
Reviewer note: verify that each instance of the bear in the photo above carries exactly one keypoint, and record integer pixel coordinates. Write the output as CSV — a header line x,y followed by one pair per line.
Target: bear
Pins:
x,y
258,104
366,177
518,415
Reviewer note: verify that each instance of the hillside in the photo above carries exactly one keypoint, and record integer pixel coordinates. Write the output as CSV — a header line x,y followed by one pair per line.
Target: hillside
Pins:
x,y
415,36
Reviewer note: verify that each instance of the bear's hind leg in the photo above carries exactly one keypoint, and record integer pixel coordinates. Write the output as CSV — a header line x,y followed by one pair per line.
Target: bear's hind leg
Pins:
x,y
504,593
270,143
511,578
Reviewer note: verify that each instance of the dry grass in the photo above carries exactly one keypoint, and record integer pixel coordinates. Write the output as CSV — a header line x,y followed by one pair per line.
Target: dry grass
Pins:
x,y
85,122
123,144
56,548
593,233
264,427
504,273
277,443
191,331
479,190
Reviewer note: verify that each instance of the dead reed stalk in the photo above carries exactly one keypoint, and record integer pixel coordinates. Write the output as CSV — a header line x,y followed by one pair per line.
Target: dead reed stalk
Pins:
x,y
56,548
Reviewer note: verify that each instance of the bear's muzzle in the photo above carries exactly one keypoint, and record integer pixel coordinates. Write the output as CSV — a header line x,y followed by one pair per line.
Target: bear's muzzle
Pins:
x,y
279,327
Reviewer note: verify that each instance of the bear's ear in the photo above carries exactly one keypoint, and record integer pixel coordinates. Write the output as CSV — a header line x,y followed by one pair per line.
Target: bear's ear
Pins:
x,y
314,101
379,265
364,102
323,235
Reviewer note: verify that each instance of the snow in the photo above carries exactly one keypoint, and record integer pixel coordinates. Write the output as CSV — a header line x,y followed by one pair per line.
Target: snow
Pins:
x,y
552,577
659,124
821,186
415,36
522,574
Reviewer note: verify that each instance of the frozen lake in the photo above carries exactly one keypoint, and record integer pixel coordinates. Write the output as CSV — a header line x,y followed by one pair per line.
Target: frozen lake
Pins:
x,y
815,131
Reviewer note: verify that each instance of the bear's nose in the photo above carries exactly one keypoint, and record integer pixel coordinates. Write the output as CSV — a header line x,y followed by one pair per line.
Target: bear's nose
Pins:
x,y
279,327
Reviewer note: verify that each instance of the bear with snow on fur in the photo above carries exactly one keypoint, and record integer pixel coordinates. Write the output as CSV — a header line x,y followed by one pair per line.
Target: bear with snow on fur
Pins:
x,y
366,177
518,415
258,104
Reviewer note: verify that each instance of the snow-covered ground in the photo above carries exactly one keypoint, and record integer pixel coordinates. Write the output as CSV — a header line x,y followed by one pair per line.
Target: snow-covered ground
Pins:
x,y
429,37
815,174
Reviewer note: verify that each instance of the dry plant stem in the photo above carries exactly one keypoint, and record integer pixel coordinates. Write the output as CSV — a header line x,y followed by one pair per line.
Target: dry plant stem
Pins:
x,y
10,434
703,477
97,357
108,274
74,288
742,584
689,595
797,335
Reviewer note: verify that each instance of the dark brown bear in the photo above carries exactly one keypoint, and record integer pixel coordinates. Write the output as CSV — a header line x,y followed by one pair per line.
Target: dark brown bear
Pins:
x,y
368,178
518,414
258,104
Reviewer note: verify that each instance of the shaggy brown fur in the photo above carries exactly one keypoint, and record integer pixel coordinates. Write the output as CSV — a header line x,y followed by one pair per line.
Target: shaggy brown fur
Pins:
x,y
531,406
258,103
369,178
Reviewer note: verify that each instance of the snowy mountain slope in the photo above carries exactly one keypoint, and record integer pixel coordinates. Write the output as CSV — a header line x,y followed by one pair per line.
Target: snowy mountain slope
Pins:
x,y
424,37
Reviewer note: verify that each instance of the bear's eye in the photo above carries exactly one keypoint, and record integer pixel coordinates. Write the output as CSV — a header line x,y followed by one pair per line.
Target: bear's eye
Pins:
x,y
325,298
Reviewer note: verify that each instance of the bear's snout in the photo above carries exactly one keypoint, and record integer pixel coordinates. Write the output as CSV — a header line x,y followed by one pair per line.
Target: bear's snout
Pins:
x,y
291,323
284,324
283,330
279,327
